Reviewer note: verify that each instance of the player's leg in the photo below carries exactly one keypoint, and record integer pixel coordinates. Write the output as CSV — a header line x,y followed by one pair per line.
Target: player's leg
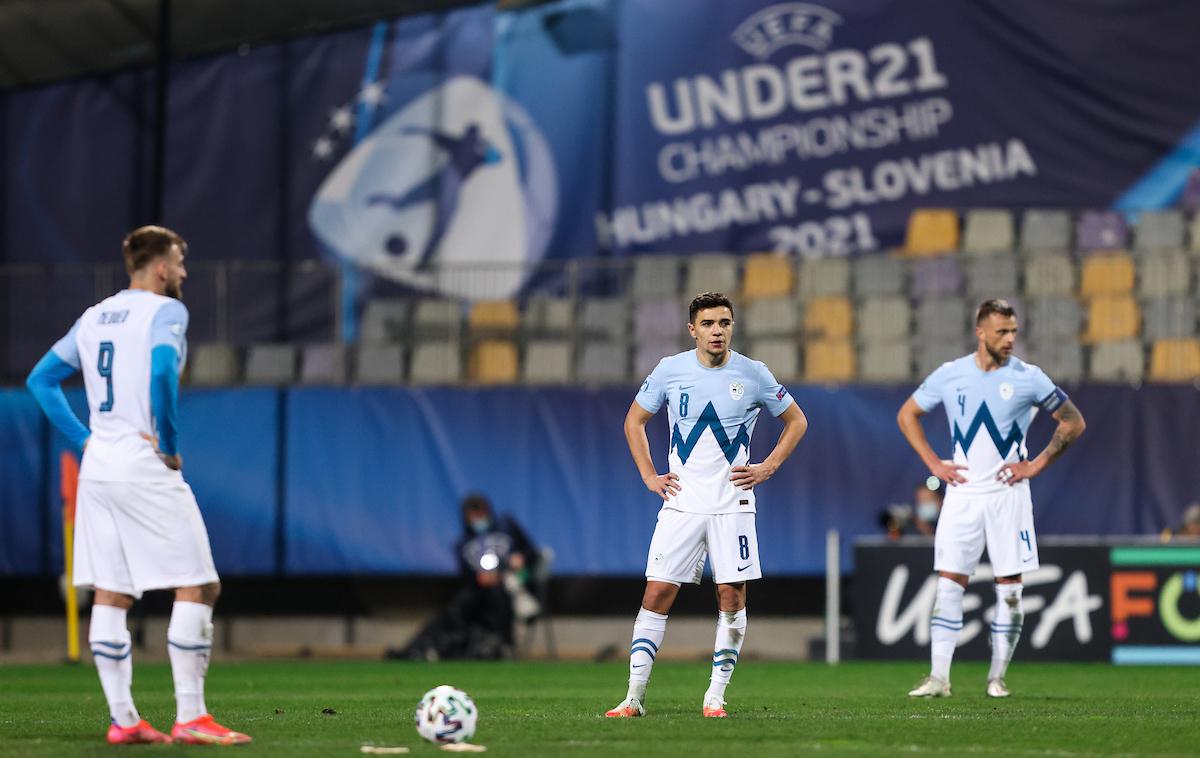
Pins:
x,y
100,564
676,555
189,645
958,546
733,551
1012,547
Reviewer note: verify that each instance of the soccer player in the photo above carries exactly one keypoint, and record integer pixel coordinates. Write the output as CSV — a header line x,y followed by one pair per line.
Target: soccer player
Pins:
x,y
137,525
713,396
990,396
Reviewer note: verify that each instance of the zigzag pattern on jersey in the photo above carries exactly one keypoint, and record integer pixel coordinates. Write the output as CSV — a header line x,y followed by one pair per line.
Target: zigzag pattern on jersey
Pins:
x,y
983,419
709,420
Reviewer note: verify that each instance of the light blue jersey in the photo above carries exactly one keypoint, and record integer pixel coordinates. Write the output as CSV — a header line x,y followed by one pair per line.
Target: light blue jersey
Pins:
x,y
989,414
712,412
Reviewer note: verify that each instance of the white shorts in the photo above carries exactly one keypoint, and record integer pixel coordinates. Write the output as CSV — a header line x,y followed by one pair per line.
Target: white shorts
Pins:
x,y
1004,521
682,541
136,536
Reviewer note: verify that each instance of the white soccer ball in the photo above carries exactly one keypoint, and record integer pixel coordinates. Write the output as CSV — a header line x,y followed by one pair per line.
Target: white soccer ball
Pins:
x,y
446,714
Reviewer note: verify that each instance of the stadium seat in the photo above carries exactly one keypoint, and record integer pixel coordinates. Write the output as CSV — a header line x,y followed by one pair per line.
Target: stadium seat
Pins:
x,y
936,277
878,275
992,277
1045,231
1175,360
323,364
547,362
655,276
1107,274
769,317
1053,318
437,318
767,275
943,319
659,318
884,318
1194,235
782,357
987,231
1062,360
1100,230
1158,230
823,276
604,317
385,320
931,355
494,361
270,364
828,317
1164,273
212,364
1168,317
436,362
1112,317
931,231
885,361
1122,360
379,364
549,316
829,360
493,317
711,273
647,354
1051,274
603,362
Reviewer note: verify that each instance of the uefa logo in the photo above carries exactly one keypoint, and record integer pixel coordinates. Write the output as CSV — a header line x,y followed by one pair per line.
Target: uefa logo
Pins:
x,y
784,25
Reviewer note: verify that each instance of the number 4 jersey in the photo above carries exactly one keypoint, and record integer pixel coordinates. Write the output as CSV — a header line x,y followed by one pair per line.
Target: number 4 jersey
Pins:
x,y
712,412
111,345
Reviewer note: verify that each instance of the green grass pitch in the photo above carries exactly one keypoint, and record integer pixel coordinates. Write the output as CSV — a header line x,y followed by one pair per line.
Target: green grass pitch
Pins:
x,y
551,709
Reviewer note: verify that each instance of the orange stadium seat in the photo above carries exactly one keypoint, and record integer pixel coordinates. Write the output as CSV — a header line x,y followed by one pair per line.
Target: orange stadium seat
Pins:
x,y
829,317
829,360
1175,360
494,362
1107,274
767,275
1113,317
494,316
932,231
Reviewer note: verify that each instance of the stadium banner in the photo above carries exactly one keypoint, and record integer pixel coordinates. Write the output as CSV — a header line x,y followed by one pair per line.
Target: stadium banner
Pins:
x,y
1156,604
1065,602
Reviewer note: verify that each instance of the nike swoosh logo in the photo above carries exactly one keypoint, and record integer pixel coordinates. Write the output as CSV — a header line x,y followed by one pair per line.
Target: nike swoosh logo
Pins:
x,y
638,666
1027,560
681,389
743,568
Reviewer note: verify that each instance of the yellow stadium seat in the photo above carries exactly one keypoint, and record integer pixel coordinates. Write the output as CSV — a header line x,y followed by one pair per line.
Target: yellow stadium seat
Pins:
x,y
1113,317
494,316
829,317
767,275
1107,274
829,360
932,231
1175,360
494,362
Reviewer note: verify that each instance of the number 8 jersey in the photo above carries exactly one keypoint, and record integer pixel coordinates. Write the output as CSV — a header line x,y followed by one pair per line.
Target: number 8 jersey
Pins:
x,y
111,345
712,412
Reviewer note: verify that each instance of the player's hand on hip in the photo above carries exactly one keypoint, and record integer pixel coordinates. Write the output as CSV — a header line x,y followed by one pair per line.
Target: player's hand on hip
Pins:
x,y
947,471
665,486
173,462
1011,473
745,477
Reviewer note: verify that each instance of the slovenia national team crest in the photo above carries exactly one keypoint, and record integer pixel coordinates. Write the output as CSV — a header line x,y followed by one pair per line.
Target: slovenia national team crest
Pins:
x,y
458,175
736,390
1006,391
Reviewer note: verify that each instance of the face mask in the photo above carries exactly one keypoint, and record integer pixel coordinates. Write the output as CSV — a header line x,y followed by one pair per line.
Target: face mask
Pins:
x,y
480,525
927,511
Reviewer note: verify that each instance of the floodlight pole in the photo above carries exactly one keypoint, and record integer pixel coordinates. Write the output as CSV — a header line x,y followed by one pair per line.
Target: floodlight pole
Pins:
x,y
162,69
833,597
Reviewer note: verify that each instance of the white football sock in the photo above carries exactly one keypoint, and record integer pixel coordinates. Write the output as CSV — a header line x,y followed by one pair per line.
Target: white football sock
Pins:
x,y
112,650
648,632
189,643
944,626
1006,627
731,632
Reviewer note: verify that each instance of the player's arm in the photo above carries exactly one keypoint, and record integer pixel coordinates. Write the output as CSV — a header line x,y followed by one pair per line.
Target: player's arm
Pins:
x,y
795,425
1070,427
639,447
909,420
168,336
45,382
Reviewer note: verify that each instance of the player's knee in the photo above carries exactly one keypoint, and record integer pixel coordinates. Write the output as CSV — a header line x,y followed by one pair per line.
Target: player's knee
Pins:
x,y
209,593
659,597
